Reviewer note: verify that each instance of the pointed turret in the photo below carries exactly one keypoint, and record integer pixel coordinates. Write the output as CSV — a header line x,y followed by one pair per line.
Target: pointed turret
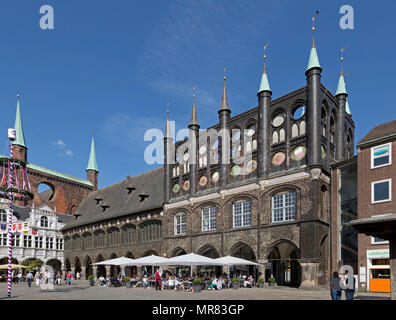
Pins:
x,y
224,117
224,99
193,147
313,92
20,138
341,95
20,149
169,157
92,165
92,168
264,100
194,121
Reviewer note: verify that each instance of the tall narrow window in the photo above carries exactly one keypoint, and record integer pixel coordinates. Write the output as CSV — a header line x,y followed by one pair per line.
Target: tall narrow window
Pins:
x,y
180,224
284,207
209,219
241,214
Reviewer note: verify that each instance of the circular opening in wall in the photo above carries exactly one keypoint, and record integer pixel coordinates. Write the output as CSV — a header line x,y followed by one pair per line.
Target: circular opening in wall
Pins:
x,y
278,120
299,112
45,191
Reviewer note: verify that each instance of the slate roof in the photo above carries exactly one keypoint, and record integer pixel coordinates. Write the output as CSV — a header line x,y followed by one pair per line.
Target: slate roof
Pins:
x,y
120,201
387,129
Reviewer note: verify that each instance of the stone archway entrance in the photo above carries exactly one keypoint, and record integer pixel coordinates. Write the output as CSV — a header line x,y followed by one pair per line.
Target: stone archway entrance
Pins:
x,y
130,271
77,266
114,270
243,251
283,258
88,267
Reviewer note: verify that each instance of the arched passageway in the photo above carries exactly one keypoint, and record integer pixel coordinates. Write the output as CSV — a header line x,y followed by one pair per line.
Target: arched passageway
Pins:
x,y
101,270
243,251
284,266
211,252
88,267
55,264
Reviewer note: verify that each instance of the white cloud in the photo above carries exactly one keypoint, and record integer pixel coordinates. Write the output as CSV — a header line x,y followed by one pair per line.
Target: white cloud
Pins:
x,y
62,147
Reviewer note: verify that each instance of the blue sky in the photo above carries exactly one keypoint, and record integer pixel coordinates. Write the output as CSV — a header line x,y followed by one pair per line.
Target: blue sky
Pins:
x,y
112,66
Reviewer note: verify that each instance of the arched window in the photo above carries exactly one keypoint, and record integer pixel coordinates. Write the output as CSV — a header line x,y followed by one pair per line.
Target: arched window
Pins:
x,y
180,223
87,240
150,231
324,122
44,222
241,213
99,239
324,202
129,234
67,243
284,206
113,237
332,130
76,242
209,219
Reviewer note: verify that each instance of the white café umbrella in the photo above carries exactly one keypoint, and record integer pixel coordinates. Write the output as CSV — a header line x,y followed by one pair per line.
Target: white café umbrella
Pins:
x,y
114,262
149,261
193,259
234,261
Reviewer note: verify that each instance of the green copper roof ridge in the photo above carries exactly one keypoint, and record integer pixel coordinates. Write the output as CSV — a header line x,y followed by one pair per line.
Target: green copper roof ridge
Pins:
x,y
19,136
313,59
341,88
264,84
58,174
92,165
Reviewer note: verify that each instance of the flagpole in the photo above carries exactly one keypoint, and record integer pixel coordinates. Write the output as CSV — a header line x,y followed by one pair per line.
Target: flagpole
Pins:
x,y
10,213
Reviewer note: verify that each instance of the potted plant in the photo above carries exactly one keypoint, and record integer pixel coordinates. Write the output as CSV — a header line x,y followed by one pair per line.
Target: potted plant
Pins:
x,y
197,284
272,281
127,281
236,283
91,280
261,282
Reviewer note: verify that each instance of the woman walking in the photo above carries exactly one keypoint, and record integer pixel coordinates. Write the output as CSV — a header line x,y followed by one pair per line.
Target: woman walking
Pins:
x,y
335,288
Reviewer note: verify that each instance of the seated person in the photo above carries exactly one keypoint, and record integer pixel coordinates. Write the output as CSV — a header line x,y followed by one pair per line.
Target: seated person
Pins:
x,y
213,284
251,281
145,282
219,284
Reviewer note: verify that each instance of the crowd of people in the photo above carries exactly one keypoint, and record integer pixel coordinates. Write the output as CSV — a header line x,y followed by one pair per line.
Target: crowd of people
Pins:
x,y
171,281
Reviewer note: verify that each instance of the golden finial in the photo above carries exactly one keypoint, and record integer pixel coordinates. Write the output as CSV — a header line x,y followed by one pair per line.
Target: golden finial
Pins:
x,y
167,110
225,69
342,58
195,91
18,95
313,28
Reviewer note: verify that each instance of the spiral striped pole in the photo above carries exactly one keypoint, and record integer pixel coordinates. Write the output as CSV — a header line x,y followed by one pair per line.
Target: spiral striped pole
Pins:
x,y
10,219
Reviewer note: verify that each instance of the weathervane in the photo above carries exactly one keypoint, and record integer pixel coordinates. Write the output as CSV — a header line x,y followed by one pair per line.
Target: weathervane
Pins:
x,y
313,28
265,56
342,57
167,110
225,69
195,91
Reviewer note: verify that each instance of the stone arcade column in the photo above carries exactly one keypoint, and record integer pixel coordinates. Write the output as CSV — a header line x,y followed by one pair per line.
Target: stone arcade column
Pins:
x,y
95,272
83,273
309,274
108,270
262,268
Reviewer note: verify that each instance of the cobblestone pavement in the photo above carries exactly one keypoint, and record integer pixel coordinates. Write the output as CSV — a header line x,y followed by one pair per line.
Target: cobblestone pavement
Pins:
x,y
80,290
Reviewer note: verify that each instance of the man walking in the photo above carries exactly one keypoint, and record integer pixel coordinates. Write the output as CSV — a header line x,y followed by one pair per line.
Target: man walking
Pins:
x,y
157,280
69,277
29,278
350,282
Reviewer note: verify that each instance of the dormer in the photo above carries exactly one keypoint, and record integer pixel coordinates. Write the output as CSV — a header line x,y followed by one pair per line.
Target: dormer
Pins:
x,y
98,199
105,206
130,189
143,197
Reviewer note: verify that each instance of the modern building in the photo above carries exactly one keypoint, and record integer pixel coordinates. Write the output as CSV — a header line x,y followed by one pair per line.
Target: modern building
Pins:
x,y
376,193
260,193
36,234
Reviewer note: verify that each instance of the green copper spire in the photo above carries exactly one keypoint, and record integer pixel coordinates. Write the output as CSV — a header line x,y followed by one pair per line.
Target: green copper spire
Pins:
x,y
92,165
347,110
341,88
20,138
264,84
313,59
